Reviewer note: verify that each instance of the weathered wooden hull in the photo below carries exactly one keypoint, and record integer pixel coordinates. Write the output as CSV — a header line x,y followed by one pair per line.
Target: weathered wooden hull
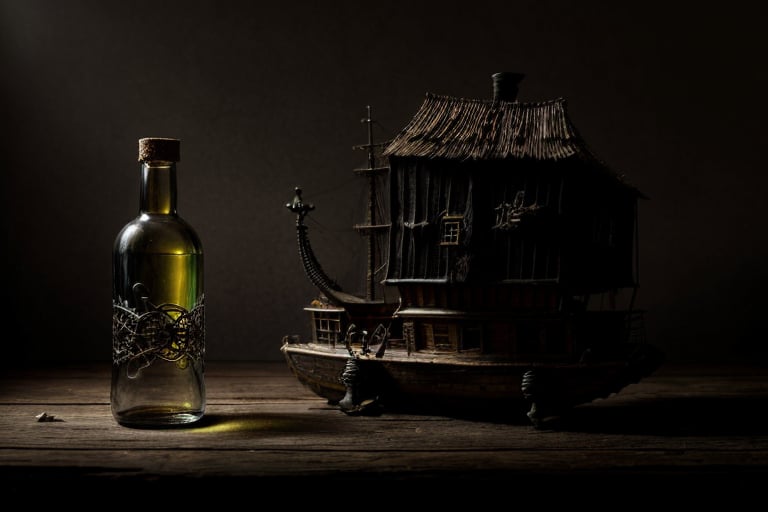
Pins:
x,y
469,385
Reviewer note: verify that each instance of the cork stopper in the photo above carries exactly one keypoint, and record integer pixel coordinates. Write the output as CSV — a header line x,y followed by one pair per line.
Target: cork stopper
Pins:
x,y
159,148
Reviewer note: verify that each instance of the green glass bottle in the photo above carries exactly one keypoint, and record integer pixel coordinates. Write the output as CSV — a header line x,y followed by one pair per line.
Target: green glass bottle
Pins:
x,y
158,315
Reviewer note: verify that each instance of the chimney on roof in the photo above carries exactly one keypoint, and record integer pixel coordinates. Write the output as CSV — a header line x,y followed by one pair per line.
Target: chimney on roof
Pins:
x,y
505,85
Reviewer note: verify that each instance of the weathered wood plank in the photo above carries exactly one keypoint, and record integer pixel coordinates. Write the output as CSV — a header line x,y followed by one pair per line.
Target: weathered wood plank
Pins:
x,y
308,425
261,422
319,462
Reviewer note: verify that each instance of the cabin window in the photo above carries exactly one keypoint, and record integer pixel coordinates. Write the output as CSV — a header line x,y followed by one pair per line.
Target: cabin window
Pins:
x,y
442,337
439,337
451,230
327,327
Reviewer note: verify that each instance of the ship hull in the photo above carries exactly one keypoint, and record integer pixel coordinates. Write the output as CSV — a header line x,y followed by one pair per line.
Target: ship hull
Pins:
x,y
470,385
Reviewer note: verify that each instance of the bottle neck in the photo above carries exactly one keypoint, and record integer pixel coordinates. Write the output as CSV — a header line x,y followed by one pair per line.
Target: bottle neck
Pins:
x,y
158,187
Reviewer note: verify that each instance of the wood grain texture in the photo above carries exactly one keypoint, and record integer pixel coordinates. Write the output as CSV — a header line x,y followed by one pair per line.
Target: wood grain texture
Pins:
x,y
261,424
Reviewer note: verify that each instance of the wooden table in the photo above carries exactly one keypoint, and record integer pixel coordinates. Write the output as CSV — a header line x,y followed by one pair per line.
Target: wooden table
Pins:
x,y
261,425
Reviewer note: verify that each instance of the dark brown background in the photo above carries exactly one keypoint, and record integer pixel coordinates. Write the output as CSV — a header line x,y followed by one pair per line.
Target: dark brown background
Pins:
x,y
267,97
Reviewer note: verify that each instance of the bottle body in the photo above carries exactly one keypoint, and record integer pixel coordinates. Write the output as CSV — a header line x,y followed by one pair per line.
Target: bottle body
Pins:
x,y
158,321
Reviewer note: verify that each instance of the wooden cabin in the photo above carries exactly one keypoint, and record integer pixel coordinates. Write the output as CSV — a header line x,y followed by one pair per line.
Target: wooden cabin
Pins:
x,y
503,224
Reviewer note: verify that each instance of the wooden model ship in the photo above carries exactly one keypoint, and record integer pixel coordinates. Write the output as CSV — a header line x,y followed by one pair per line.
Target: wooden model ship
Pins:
x,y
513,252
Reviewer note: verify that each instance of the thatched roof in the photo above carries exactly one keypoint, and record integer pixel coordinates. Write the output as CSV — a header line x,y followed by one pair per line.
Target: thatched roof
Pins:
x,y
474,129
459,128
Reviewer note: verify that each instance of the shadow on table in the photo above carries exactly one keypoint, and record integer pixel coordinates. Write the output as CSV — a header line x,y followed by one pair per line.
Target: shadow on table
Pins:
x,y
673,416
670,416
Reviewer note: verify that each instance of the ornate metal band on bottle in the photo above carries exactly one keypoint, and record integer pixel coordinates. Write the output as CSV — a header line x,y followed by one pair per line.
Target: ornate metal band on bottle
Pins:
x,y
168,332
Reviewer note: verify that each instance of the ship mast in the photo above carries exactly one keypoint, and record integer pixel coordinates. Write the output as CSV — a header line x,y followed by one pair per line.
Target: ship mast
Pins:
x,y
372,227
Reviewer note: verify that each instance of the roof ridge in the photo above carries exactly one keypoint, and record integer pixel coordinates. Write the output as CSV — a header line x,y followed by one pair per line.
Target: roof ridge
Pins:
x,y
461,99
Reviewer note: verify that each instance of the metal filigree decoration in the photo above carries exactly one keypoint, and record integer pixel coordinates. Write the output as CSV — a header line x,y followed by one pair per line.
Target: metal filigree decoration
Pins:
x,y
510,215
168,332
361,396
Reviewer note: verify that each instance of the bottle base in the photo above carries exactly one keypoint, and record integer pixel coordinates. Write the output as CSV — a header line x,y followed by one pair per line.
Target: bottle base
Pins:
x,y
157,417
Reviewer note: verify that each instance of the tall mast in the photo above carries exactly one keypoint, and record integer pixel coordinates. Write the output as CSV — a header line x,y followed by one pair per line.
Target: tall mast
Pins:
x,y
371,228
